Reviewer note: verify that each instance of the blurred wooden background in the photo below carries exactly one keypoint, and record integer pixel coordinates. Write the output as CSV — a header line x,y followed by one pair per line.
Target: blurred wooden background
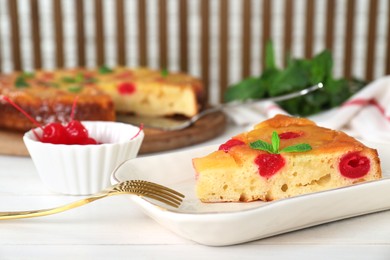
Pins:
x,y
220,41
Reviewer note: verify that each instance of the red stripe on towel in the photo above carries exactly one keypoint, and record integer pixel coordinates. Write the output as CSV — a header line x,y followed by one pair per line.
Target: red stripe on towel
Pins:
x,y
364,102
359,102
376,104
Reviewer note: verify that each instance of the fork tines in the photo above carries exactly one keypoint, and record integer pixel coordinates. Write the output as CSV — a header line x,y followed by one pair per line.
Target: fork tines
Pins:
x,y
151,190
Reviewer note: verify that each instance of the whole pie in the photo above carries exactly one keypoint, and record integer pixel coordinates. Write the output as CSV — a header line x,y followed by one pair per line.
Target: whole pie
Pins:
x,y
101,93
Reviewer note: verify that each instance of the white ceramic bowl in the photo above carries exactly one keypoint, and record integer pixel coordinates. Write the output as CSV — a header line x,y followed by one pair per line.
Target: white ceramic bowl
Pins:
x,y
84,169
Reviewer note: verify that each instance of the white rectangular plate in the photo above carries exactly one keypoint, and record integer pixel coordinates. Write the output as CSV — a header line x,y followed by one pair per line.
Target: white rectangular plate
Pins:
x,y
219,224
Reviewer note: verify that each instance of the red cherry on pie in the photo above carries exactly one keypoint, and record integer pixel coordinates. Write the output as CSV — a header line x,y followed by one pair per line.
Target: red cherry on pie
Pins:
x,y
353,165
229,144
126,88
269,164
290,135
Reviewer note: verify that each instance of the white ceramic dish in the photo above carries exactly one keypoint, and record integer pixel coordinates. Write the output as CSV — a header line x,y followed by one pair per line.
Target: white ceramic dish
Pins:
x,y
84,169
232,223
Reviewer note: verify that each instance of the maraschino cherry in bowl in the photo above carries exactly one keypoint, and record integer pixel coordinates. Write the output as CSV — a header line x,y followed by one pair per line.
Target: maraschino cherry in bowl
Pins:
x,y
77,158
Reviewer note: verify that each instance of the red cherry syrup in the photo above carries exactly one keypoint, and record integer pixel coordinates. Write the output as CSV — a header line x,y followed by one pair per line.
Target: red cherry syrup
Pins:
x,y
353,165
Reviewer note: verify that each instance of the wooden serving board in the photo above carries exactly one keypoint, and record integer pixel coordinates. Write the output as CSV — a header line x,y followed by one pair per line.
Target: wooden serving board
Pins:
x,y
208,127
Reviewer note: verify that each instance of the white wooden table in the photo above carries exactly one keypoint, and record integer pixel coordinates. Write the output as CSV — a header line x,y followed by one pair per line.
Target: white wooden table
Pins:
x,y
115,228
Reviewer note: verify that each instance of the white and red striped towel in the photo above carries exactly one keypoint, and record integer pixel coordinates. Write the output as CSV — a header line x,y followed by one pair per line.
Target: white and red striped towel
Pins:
x,y
366,115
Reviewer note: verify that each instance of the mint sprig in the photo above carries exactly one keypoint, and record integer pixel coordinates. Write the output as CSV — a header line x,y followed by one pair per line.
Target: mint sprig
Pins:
x,y
261,145
296,148
275,140
275,144
298,74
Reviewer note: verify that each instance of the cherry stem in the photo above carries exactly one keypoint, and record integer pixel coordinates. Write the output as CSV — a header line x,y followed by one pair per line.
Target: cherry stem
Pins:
x,y
37,135
22,111
141,127
74,107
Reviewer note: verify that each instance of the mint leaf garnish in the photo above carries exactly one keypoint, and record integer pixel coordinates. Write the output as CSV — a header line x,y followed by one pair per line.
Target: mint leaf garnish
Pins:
x,y
275,144
297,148
261,145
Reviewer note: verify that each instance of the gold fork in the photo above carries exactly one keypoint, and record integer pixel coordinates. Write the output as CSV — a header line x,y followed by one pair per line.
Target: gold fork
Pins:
x,y
136,187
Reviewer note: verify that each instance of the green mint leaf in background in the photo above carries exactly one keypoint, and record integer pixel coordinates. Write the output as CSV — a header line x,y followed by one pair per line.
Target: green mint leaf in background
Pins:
x,y
275,141
269,56
249,88
104,69
20,82
296,148
68,79
261,145
320,67
28,75
164,72
290,79
75,88
298,74
79,78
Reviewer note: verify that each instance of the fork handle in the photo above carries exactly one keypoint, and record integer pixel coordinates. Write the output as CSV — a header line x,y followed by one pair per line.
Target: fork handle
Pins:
x,y
50,211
